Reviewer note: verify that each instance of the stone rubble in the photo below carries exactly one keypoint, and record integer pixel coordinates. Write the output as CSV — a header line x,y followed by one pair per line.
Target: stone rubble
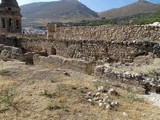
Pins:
x,y
107,71
102,99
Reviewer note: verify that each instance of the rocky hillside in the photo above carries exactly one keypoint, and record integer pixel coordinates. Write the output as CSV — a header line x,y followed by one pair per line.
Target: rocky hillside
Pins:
x,y
141,6
61,11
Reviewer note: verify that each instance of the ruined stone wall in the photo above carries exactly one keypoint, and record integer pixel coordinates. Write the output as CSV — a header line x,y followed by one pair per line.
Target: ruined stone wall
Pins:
x,y
106,32
95,51
58,61
96,44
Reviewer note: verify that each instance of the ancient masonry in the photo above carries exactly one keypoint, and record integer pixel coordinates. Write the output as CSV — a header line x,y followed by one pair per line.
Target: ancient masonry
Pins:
x,y
94,44
83,48
10,17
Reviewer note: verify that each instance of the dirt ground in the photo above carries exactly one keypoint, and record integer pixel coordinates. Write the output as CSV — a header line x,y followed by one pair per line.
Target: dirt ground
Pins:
x,y
29,92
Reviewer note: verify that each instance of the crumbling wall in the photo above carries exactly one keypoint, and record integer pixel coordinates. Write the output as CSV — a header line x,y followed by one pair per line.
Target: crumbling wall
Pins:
x,y
89,50
58,61
97,44
105,32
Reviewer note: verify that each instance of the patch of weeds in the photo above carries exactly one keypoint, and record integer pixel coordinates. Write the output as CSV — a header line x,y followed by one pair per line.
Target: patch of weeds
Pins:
x,y
134,98
52,106
63,104
56,106
49,94
152,72
129,89
100,83
3,71
60,89
7,97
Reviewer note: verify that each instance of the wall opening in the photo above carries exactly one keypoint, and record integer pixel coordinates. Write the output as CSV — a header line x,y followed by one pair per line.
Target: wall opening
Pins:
x,y
9,9
3,23
17,24
10,23
53,51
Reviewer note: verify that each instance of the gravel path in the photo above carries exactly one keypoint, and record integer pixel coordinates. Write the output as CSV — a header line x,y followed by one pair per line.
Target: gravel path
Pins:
x,y
153,97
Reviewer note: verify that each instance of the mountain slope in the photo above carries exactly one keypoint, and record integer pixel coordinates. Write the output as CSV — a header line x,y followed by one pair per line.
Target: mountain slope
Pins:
x,y
57,11
141,6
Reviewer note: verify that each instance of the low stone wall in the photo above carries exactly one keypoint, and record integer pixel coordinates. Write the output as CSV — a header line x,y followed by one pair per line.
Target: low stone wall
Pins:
x,y
58,61
105,32
95,51
135,74
89,50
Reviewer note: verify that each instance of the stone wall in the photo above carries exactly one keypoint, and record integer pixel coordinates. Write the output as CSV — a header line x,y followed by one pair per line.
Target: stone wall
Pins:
x,y
89,50
58,61
106,32
96,44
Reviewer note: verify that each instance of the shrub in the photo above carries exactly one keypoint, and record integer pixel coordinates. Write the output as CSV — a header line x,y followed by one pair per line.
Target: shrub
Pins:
x,y
49,94
7,96
56,106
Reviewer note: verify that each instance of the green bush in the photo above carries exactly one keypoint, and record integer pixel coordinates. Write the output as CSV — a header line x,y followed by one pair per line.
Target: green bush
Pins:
x,y
7,95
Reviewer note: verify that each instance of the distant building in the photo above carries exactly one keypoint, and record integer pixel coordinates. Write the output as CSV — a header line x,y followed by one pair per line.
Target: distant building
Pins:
x,y
10,17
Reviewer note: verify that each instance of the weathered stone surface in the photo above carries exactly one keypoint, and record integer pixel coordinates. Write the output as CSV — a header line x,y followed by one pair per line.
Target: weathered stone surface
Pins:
x,y
16,52
10,52
1,47
28,57
58,61
97,51
105,32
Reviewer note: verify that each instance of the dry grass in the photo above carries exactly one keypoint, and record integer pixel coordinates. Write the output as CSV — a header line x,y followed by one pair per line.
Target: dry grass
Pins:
x,y
61,97
151,69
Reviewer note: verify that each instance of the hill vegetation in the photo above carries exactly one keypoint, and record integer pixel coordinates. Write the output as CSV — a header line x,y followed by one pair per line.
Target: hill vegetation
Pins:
x,y
139,7
138,19
147,19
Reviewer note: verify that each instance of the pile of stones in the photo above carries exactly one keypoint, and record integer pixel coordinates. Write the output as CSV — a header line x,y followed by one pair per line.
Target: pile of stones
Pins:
x,y
103,98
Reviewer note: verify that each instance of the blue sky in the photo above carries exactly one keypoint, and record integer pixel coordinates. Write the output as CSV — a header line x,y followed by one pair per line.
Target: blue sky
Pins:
x,y
96,5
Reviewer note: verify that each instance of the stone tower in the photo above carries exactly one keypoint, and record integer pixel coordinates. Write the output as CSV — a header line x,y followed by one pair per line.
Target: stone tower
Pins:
x,y
10,17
